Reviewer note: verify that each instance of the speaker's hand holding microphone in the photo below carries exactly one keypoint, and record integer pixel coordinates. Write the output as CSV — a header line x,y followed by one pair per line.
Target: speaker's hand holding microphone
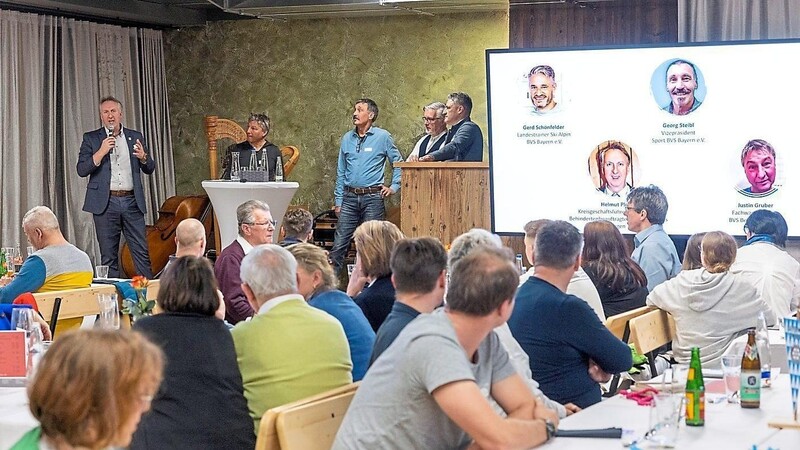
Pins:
x,y
107,148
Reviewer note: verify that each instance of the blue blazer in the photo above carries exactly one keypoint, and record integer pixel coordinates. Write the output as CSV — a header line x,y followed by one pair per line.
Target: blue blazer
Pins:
x,y
99,188
464,143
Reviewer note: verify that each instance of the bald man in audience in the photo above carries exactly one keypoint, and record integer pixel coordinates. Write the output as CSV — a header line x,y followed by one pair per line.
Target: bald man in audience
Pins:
x,y
427,389
256,227
289,350
56,265
190,240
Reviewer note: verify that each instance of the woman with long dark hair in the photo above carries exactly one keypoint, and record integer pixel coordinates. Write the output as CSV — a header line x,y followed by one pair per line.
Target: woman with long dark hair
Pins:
x,y
621,283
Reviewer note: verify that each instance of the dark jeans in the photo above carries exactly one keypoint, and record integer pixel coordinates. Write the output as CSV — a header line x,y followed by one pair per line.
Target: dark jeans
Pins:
x,y
356,209
122,216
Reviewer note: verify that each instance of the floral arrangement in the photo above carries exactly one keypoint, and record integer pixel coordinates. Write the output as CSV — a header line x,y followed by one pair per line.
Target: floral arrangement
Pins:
x,y
141,306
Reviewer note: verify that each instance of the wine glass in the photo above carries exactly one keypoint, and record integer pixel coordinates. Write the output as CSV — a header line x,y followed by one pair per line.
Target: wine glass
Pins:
x,y
23,319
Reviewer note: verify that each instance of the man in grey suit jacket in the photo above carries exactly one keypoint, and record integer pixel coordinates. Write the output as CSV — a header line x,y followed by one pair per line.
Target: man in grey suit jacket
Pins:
x,y
113,159
464,139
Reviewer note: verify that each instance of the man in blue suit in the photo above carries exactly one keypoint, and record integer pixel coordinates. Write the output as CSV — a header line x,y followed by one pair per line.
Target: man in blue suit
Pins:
x,y
464,140
113,158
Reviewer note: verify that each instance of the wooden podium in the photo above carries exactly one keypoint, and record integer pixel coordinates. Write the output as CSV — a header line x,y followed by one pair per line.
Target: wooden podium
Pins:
x,y
443,199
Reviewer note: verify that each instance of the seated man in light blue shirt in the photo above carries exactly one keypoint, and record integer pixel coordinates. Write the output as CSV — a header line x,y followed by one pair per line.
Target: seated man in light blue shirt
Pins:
x,y
360,188
653,249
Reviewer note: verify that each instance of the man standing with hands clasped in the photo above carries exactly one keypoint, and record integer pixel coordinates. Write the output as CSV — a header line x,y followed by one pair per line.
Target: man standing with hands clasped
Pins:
x,y
113,158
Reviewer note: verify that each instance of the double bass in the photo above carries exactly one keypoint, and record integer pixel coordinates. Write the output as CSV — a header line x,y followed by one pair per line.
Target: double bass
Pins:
x,y
161,235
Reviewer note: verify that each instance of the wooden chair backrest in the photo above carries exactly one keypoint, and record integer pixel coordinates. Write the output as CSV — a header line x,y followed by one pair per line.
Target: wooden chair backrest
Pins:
x,y
313,426
217,129
651,330
616,324
75,303
268,438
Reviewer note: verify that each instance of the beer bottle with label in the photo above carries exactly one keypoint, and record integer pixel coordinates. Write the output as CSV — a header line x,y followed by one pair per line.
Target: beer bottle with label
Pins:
x,y
695,392
750,390
3,270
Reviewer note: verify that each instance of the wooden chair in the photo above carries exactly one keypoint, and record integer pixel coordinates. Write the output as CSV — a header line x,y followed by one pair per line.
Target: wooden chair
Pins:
x,y
217,129
651,331
619,326
69,304
269,436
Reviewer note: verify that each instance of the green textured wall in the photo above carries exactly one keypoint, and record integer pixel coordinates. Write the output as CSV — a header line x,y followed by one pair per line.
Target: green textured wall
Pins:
x,y
305,74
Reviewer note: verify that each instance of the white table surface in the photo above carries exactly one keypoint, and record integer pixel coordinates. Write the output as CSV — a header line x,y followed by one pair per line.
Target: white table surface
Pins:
x,y
728,425
782,440
15,417
227,195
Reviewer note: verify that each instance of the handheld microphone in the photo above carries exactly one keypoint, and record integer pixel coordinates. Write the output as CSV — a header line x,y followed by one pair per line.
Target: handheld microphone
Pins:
x,y
109,133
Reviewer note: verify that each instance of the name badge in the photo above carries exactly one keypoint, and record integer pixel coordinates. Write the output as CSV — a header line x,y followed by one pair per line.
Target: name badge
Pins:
x,y
368,149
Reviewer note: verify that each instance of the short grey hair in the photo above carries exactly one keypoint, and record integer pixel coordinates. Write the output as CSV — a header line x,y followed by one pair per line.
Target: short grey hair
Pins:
x,y
244,213
465,243
462,99
262,120
439,107
558,245
651,199
269,270
544,70
40,217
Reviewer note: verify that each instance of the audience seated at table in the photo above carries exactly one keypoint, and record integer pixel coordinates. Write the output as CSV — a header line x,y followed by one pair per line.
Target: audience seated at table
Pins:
x,y
317,283
374,241
763,260
298,226
56,265
691,256
427,390
201,402
580,285
256,227
419,268
620,282
90,390
711,306
289,350
462,246
570,349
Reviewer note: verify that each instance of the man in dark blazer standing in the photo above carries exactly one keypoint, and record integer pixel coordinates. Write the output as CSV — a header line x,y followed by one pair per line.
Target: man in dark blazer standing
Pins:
x,y
113,157
464,140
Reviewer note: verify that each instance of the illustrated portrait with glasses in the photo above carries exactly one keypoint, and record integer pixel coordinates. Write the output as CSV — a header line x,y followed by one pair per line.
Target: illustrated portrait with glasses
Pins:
x,y
614,168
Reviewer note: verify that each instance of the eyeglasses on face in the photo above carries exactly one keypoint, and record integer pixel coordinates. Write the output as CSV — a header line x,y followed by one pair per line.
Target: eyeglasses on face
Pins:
x,y
269,222
428,119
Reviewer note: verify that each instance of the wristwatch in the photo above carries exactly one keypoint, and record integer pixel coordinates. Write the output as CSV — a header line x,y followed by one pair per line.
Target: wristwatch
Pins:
x,y
550,428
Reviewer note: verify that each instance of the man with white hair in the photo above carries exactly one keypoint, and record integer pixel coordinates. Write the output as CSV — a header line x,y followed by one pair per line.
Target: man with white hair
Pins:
x,y
435,131
256,227
56,264
289,350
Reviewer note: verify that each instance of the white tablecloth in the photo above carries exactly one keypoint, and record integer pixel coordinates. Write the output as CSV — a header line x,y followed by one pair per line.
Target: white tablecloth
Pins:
x,y
15,417
728,425
226,196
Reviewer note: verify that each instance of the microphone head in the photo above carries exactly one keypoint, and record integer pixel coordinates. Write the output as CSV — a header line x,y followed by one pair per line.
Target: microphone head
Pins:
x,y
109,129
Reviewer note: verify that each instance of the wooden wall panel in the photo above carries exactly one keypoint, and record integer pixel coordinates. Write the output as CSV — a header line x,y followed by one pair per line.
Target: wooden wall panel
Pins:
x,y
617,22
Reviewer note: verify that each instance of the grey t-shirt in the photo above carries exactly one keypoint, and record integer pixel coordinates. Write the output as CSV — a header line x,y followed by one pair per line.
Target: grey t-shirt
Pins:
x,y
394,408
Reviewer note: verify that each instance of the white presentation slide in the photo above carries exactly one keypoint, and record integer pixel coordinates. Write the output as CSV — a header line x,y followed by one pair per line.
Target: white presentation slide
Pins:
x,y
572,131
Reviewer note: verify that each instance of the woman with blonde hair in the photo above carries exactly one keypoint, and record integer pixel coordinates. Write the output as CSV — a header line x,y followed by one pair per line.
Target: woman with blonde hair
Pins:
x,y
90,390
711,305
317,284
375,240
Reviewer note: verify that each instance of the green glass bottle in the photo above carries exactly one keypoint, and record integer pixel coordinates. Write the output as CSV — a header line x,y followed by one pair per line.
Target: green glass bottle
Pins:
x,y
695,392
3,270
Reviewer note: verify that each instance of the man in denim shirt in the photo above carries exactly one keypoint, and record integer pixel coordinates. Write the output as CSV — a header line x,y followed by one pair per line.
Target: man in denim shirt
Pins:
x,y
653,250
359,192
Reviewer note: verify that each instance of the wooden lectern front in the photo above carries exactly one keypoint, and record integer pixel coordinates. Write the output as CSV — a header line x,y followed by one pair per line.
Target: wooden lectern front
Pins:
x,y
444,199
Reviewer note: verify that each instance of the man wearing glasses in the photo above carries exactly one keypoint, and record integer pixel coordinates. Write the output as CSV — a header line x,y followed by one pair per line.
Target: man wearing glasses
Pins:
x,y
256,227
360,188
435,131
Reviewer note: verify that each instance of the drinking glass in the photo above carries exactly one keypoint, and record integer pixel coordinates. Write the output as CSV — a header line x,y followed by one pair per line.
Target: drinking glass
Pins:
x,y
731,369
665,419
30,250
9,251
235,169
101,272
109,311
23,319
